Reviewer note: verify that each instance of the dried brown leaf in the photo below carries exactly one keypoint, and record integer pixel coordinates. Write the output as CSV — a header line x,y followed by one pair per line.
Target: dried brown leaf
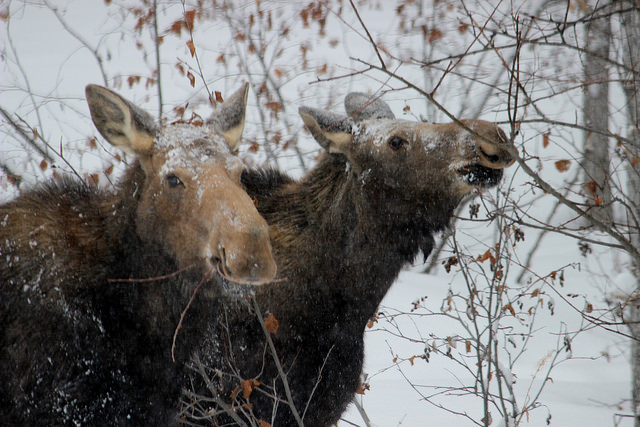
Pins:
x,y
192,79
509,308
485,256
189,17
271,324
192,47
545,140
247,388
176,27
563,165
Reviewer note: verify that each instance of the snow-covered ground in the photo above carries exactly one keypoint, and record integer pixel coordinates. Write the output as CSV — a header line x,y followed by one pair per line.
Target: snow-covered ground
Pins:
x,y
583,392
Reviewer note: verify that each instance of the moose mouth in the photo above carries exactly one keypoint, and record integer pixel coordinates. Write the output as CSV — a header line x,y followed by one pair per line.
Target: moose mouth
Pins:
x,y
480,176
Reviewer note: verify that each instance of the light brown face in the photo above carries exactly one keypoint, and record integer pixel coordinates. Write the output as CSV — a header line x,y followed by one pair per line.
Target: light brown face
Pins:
x,y
419,156
411,160
194,206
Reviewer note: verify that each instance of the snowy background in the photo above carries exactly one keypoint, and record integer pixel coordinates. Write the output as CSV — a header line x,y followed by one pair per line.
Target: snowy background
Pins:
x,y
51,50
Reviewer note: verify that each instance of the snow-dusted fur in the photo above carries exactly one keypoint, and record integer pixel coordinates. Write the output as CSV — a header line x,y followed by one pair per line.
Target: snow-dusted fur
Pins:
x,y
79,349
340,237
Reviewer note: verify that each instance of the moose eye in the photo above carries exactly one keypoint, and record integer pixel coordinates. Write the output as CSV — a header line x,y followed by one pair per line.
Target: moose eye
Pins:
x,y
395,142
174,181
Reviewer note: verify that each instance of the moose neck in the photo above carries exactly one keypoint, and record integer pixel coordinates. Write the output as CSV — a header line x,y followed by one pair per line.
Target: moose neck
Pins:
x,y
338,238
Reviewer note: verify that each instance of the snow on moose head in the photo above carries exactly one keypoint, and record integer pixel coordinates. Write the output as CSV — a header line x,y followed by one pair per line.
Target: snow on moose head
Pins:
x,y
411,161
192,204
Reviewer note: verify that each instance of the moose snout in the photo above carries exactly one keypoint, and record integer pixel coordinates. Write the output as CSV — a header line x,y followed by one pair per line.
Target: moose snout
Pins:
x,y
246,256
493,156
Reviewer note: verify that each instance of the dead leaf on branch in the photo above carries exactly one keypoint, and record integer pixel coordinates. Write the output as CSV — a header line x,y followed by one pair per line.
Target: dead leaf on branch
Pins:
x,y
450,262
363,388
189,17
487,256
271,324
509,308
563,165
592,187
247,387
133,80
192,79
192,48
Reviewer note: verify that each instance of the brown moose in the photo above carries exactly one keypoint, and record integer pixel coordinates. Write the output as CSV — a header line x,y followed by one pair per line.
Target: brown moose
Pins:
x,y
79,349
340,236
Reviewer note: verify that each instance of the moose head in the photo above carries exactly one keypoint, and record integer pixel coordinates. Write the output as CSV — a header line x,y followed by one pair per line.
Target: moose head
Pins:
x,y
192,204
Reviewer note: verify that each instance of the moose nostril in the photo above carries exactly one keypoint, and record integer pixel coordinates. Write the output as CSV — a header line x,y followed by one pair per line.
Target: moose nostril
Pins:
x,y
493,158
222,264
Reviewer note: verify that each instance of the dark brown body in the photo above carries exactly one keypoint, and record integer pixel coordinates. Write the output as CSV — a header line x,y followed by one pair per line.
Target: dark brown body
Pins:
x,y
340,237
74,347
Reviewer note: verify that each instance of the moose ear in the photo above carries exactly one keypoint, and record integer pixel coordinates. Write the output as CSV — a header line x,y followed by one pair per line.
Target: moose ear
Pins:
x,y
123,124
361,106
332,131
228,119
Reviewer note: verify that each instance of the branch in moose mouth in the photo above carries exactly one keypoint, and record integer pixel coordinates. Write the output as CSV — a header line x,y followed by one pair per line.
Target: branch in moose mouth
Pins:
x,y
156,278
222,273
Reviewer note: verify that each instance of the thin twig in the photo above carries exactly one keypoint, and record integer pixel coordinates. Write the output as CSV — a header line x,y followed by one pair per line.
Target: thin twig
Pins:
x,y
158,63
373,43
31,141
206,277
362,412
195,53
226,408
276,360
157,278
82,40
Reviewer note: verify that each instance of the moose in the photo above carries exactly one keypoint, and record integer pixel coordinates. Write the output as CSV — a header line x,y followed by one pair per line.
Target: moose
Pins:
x,y
340,237
94,283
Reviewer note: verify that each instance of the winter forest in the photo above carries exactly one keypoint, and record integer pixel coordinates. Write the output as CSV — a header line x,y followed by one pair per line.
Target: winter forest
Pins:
x,y
527,310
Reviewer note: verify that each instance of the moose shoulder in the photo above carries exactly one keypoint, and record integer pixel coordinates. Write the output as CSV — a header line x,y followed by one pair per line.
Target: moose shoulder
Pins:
x,y
78,348
340,236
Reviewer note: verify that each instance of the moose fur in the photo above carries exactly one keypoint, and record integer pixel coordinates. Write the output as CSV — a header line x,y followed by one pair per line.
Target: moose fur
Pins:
x,y
79,349
340,237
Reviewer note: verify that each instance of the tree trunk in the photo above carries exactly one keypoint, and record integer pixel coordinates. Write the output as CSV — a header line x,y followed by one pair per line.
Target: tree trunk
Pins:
x,y
595,163
631,86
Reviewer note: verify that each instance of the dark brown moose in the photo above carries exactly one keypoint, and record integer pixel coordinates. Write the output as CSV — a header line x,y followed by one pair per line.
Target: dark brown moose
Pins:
x,y
340,236
77,348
